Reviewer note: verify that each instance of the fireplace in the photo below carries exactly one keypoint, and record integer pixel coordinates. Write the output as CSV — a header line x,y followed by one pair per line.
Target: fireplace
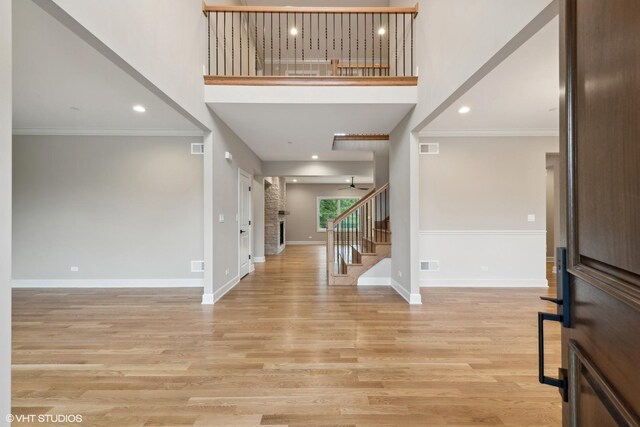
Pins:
x,y
281,233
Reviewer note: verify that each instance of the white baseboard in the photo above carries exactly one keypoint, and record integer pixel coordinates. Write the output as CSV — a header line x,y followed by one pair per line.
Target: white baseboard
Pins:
x,y
225,288
413,299
259,260
108,283
484,283
210,299
374,281
306,242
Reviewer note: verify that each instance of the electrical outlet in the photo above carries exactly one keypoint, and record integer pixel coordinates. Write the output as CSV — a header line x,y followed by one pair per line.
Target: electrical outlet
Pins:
x,y
75,269
310,237
399,273
531,218
221,218
226,272
484,268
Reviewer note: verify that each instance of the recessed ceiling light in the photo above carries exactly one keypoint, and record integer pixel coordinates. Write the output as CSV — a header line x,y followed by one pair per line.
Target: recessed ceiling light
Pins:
x,y
74,108
294,31
314,157
551,110
139,109
381,31
289,142
347,180
295,180
464,110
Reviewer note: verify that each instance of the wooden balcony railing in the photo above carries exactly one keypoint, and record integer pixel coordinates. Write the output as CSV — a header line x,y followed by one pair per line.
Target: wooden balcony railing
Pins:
x,y
281,44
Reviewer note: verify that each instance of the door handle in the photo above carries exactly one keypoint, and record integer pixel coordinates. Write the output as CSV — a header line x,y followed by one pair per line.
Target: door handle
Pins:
x,y
242,231
564,304
560,382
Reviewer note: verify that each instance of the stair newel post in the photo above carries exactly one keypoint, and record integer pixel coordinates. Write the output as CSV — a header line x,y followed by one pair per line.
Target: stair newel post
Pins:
x,y
331,251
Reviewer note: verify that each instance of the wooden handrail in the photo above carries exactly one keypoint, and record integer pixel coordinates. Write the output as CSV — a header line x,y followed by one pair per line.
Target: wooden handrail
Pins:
x,y
309,9
370,195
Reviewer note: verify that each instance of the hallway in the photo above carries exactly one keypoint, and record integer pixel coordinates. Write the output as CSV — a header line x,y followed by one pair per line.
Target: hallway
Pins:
x,y
283,349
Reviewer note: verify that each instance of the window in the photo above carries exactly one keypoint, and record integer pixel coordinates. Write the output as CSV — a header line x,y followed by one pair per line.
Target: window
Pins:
x,y
331,208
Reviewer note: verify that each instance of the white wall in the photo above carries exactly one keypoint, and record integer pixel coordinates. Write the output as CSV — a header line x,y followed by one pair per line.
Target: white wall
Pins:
x,y
125,210
163,40
225,202
302,206
301,169
550,203
5,210
475,200
445,59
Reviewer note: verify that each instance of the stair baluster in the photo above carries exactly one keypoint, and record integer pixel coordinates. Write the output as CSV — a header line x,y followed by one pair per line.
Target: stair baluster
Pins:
x,y
358,238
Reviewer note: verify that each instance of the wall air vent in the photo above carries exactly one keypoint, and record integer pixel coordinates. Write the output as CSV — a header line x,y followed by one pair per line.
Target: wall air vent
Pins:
x,y
429,265
197,148
197,266
429,148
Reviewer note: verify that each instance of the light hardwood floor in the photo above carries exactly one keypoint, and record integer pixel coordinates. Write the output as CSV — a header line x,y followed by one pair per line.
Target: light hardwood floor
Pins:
x,y
284,349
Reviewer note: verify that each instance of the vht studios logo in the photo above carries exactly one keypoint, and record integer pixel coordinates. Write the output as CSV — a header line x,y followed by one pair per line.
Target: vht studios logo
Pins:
x,y
44,418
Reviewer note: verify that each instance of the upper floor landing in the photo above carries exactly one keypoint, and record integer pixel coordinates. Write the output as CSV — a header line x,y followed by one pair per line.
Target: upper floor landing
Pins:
x,y
310,46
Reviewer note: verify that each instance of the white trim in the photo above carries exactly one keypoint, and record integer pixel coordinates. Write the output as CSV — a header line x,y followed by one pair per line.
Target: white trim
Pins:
x,y
484,283
252,268
259,260
482,232
105,132
413,299
225,288
207,299
487,133
108,283
306,242
374,281
250,177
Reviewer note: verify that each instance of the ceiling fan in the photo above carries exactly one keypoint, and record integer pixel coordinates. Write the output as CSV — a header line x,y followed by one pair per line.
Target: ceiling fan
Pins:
x,y
353,187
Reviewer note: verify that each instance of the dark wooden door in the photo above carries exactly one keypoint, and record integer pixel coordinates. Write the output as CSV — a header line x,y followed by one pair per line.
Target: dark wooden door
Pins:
x,y
601,138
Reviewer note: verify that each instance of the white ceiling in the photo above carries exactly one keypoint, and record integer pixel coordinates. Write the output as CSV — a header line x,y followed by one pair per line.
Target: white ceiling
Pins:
x,y
55,70
516,97
268,128
316,3
346,180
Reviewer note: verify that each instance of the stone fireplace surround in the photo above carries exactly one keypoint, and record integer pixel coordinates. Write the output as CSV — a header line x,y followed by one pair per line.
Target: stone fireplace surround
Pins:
x,y
274,206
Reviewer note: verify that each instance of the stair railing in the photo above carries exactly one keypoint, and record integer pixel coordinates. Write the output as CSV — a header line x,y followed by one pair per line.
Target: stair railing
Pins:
x,y
357,230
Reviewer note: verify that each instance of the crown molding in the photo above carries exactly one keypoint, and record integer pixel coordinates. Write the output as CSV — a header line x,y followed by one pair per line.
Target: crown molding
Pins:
x,y
104,132
488,133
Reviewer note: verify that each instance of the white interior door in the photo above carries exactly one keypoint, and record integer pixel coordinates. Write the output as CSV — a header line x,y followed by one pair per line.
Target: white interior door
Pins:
x,y
244,223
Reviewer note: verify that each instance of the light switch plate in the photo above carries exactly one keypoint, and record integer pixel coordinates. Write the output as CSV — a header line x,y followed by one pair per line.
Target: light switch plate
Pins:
x,y
221,218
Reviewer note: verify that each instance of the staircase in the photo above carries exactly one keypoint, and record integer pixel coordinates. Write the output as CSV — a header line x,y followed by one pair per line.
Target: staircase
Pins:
x,y
359,238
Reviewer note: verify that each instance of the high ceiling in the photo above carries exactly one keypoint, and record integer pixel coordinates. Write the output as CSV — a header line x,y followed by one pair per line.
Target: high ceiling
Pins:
x,y
520,96
63,85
